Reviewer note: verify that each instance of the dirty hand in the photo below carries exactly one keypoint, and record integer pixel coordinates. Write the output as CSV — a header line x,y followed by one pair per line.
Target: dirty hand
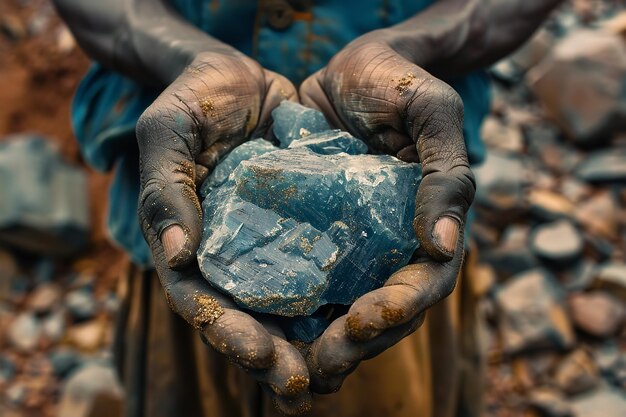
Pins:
x,y
219,101
377,94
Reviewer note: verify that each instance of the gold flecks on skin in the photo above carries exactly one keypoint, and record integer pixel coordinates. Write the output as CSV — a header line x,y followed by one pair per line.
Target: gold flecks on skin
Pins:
x,y
404,83
208,310
296,384
207,107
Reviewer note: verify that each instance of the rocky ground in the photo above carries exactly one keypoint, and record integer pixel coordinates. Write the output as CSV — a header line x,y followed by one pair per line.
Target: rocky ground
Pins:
x,y
550,226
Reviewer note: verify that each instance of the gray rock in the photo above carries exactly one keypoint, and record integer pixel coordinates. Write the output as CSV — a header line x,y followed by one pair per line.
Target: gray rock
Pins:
x,y
81,304
603,166
64,361
549,403
557,243
532,314
577,373
7,369
583,85
90,385
580,276
499,135
597,313
52,218
512,255
603,402
25,332
500,183
612,277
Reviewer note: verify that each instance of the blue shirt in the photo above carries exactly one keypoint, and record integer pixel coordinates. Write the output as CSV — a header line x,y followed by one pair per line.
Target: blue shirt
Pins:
x,y
107,105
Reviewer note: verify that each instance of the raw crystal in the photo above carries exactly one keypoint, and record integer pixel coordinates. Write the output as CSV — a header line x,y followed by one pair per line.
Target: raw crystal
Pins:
x,y
294,121
294,229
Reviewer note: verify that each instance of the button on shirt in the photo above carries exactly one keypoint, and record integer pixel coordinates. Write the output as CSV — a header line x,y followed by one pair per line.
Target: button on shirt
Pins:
x,y
292,37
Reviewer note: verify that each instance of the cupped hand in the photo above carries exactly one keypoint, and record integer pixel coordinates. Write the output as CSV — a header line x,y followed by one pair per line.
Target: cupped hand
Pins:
x,y
374,92
218,102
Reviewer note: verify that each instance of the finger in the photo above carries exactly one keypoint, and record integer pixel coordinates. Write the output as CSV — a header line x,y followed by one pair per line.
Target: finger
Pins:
x,y
169,209
289,377
229,331
287,381
290,406
313,95
334,355
278,89
435,123
408,293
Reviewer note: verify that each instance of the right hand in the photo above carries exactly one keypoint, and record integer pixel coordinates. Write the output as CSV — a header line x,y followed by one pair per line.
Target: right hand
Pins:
x,y
218,102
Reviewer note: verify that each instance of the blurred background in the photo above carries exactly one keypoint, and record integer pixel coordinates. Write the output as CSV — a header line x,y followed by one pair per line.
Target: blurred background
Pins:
x,y
550,224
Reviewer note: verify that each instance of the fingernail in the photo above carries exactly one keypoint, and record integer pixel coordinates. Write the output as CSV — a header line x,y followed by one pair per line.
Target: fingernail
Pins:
x,y
446,233
173,239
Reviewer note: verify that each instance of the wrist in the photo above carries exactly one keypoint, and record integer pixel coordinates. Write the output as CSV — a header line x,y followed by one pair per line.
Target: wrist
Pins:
x,y
419,46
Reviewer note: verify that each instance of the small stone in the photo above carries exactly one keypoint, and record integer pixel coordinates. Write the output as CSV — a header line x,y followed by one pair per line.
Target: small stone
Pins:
x,y
500,183
603,402
577,373
25,332
557,243
81,304
574,190
506,137
53,217
598,214
580,276
549,403
53,326
612,278
549,206
603,166
532,314
64,361
512,256
295,121
87,336
582,85
597,313
89,387
44,298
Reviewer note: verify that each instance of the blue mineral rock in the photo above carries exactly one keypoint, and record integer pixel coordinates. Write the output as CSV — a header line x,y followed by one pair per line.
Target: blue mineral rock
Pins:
x,y
294,121
290,230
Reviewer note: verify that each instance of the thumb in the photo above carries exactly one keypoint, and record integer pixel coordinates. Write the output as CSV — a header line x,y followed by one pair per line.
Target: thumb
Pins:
x,y
169,209
447,187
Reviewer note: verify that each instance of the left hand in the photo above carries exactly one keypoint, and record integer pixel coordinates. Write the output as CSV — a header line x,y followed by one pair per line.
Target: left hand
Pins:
x,y
374,92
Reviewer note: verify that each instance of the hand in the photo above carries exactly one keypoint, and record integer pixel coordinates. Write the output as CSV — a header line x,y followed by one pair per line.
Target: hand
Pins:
x,y
215,104
374,92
